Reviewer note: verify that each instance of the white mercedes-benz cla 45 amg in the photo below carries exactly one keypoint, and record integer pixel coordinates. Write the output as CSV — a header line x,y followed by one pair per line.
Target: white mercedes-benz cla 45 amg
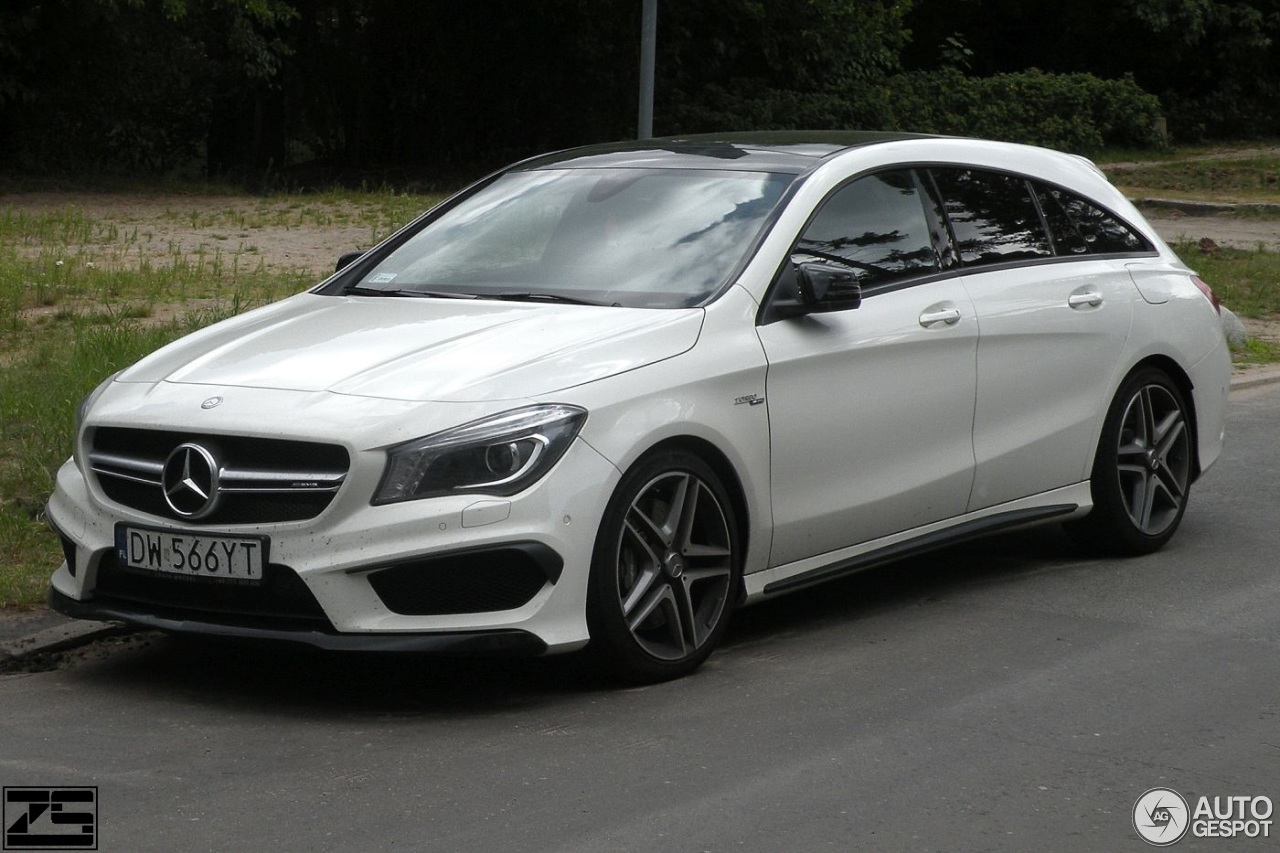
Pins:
x,y
604,397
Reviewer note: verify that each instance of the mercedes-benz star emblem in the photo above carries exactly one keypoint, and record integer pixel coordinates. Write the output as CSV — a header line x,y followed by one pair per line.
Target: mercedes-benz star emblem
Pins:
x,y
191,481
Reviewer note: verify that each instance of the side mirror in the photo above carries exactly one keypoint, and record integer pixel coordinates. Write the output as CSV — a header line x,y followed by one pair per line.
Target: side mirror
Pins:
x,y
347,259
824,287
811,288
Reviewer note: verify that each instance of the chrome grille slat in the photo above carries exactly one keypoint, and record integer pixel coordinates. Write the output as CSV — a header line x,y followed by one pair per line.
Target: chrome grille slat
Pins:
x,y
244,480
127,467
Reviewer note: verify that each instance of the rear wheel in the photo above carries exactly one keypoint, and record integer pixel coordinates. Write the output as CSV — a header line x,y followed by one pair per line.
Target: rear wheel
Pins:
x,y
665,571
1143,469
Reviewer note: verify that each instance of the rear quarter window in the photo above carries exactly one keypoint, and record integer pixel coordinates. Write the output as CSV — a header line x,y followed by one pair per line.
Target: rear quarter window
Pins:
x,y
1080,227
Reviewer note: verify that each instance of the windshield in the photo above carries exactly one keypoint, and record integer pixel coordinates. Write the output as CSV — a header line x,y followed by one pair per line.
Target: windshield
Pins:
x,y
648,238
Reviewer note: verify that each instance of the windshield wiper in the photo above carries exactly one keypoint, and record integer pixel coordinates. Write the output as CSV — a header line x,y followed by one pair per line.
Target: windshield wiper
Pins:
x,y
534,296
357,290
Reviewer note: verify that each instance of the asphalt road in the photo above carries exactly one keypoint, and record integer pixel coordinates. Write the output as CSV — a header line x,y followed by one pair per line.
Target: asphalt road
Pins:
x,y
1008,695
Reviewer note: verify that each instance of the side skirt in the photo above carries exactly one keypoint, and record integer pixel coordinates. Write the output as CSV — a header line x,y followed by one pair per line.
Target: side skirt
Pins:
x,y
916,545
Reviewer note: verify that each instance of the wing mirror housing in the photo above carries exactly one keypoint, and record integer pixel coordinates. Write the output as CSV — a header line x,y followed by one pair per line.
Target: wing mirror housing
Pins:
x,y
813,288
347,259
827,288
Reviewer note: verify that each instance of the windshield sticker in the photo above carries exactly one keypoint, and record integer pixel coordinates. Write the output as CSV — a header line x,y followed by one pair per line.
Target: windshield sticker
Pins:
x,y
382,278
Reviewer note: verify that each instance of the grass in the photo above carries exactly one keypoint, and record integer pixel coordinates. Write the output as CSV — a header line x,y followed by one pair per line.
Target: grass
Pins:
x,y
1244,176
1245,280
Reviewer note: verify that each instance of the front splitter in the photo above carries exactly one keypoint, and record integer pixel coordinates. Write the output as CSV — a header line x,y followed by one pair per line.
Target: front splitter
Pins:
x,y
508,642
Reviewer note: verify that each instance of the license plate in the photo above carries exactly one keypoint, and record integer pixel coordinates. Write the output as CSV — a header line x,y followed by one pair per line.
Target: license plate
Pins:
x,y
193,555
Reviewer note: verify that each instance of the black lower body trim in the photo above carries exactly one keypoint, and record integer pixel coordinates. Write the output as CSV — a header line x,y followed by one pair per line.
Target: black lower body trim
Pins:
x,y
498,642
928,542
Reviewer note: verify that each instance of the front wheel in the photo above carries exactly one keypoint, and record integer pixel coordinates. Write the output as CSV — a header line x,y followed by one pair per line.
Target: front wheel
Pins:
x,y
1143,469
665,570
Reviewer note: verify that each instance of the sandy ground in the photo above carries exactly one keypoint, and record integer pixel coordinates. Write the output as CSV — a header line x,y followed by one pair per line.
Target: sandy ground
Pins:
x,y
1235,231
190,225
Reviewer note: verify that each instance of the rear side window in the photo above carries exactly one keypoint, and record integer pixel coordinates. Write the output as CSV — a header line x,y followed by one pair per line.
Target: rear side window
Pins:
x,y
1080,227
876,226
993,216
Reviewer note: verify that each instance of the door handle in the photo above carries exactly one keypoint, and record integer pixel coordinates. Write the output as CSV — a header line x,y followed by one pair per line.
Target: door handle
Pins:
x,y
1091,298
950,316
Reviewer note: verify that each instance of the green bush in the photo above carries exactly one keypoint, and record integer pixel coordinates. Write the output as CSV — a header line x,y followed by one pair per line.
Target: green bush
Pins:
x,y
1075,112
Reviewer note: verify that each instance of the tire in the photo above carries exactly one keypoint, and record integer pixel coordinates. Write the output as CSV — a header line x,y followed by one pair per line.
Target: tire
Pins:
x,y
1143,469
665,572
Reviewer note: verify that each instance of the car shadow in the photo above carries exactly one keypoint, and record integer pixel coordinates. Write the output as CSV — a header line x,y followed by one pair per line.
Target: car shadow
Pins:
x,y
927,577
300,682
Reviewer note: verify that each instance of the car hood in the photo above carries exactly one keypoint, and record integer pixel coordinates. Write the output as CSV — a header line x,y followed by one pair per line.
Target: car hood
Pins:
x,y
421,349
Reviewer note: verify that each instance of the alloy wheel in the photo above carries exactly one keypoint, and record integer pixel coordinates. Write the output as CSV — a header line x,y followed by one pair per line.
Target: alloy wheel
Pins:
x,y
674,565
1153,459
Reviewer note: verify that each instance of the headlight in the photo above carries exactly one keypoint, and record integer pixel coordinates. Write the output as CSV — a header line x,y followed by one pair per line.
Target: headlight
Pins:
x,y
498,455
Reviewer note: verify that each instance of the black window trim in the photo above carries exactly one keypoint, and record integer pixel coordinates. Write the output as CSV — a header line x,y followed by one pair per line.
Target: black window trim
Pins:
x,y
920,171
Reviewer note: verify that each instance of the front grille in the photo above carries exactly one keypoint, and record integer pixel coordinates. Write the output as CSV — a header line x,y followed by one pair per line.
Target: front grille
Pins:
x,y
260,480
481,581
281,600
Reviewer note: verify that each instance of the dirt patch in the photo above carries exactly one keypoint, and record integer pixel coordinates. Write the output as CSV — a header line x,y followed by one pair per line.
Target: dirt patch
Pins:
x,y
1233,231
1264,330
281,234
1219,154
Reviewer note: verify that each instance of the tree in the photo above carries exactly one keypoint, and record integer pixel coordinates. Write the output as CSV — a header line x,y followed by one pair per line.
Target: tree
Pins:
x,y
129,84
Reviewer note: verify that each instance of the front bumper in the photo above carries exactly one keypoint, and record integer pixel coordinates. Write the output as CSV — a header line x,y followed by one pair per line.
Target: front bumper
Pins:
x,y
349,579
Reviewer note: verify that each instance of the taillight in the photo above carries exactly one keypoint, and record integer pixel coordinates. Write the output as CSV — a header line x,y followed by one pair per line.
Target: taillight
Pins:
x,y
1207,291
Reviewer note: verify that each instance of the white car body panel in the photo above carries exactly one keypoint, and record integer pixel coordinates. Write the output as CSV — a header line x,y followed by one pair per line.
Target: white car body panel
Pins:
x,y
835,385
1053,338
421,349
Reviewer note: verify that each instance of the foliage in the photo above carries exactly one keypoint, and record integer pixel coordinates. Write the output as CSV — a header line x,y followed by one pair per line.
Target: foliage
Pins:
x,y
302,92
1074,112
128,85
1214,64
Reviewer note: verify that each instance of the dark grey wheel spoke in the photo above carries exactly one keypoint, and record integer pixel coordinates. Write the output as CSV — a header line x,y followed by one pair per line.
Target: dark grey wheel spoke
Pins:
x,y
647,567
657,529
675,565
1168,480
661,606
1153,459
1167,431
687,625
699,628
